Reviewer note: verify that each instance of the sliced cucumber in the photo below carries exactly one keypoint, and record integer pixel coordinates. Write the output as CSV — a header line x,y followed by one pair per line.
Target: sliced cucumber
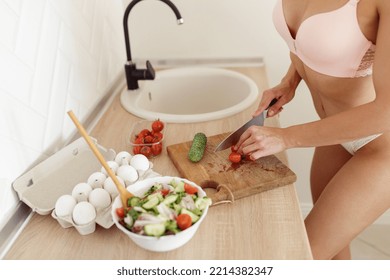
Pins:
x,y
179,187
202,202
155,229
133,201
151,203
194,217
157,194
170,199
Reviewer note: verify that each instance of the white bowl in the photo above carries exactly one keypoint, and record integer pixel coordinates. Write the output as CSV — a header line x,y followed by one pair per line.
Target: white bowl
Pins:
x,y
162,243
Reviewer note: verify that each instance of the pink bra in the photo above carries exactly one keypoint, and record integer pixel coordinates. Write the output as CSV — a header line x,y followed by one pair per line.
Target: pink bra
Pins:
x,y
330,43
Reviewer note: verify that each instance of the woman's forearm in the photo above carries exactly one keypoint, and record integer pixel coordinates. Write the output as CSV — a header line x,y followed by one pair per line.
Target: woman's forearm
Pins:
x,y
346,126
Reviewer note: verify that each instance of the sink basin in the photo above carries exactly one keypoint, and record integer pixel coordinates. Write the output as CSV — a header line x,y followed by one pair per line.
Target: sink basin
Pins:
x,y
191,94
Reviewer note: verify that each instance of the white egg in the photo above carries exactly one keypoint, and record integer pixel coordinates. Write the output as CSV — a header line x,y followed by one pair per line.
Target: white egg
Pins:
x,y
128,173
84,213
113,166
64,205
99,198
123,158
110,186
96,180
140,162
81,191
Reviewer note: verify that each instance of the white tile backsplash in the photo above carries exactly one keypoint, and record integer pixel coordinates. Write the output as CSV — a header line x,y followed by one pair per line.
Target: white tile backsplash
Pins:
x,y
56,56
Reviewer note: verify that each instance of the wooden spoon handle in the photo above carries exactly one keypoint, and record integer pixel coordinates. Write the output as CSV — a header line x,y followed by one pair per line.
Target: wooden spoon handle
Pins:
x,y
97,153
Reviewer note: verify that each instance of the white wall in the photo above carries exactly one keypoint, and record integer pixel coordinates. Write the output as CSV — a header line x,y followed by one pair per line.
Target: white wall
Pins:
x,y
55,56
224,28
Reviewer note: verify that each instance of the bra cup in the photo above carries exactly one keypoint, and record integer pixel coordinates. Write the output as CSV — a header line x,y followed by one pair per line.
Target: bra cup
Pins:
x,y
329,43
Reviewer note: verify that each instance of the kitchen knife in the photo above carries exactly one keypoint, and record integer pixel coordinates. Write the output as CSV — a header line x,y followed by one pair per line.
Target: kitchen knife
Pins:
x,y
233,137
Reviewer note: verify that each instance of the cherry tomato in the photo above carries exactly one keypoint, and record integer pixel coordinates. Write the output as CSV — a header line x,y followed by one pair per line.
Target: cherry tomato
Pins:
x,y
183,221
164,192
235,157
190,189
120,212
157,126
146,151
139,140
143,133
157,136
136,150
148,139
156,149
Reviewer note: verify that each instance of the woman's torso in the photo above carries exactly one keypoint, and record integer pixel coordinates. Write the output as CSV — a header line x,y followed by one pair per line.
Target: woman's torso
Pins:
x,y
332,94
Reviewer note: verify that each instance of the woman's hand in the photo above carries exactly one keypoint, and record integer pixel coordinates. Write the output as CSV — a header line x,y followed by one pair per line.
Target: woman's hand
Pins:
x,y
283,93
261,141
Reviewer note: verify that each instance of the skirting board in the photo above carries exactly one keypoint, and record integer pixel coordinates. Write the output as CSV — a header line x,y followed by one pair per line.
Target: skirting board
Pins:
x,y
384,219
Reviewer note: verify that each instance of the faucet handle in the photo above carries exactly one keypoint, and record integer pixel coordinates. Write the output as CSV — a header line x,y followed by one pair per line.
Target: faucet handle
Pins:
x,y
150,74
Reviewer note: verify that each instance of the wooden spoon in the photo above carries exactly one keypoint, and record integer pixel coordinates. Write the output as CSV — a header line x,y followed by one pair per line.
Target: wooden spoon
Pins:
x,y
124,193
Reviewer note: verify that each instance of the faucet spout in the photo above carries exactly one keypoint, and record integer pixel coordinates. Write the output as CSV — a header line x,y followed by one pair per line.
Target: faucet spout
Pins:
x,y
132,73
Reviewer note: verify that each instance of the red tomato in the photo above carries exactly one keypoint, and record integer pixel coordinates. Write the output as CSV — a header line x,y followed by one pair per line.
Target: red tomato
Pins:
x,y
164,192
183,221
139,140
120,212
157,125
143,133
146,151
148,139
235,157
156,149
190,189
157,137
136,150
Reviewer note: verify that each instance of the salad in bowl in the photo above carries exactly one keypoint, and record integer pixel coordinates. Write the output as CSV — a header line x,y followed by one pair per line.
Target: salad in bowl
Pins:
x,y
164,213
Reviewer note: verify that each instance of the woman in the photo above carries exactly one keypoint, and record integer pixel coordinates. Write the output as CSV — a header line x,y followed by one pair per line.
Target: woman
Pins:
x,y
341,49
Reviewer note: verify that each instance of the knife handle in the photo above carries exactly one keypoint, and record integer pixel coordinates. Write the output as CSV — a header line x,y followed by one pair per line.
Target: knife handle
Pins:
x,y
272,103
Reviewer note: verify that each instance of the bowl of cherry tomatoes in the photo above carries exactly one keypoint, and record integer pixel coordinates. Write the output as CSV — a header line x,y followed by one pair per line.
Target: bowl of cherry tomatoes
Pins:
x,y
146,137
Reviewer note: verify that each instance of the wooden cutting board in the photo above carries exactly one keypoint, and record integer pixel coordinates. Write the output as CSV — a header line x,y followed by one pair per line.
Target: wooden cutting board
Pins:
x,y
232,181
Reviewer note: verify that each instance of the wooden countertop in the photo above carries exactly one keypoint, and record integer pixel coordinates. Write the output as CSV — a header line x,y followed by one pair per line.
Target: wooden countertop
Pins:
x,y
268,225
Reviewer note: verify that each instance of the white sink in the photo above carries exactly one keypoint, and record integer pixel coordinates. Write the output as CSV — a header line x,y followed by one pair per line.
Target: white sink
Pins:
x,y
195,94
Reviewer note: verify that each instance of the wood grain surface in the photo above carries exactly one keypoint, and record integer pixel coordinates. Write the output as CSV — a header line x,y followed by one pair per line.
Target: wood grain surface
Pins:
x,y
231,180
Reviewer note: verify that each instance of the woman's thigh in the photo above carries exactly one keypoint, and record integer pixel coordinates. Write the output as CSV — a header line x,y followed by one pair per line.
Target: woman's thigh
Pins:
x,y
327,161
354,198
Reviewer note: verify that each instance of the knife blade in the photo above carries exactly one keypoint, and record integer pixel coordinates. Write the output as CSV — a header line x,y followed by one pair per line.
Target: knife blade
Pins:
x,y
233,137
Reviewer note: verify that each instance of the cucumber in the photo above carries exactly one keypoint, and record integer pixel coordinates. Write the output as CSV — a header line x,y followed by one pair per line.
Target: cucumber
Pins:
x,y
133,201
179,187
155,229
151,203
194,217
202,202
198,147
170,199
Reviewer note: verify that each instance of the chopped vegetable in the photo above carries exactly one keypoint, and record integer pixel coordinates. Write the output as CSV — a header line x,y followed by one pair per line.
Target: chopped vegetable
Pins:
x,y
164,209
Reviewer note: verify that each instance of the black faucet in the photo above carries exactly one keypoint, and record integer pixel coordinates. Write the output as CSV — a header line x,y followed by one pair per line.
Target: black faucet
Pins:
x,y
132,73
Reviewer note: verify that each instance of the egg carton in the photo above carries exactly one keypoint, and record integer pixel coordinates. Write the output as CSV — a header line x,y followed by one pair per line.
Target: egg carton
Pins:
x,y
44,184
